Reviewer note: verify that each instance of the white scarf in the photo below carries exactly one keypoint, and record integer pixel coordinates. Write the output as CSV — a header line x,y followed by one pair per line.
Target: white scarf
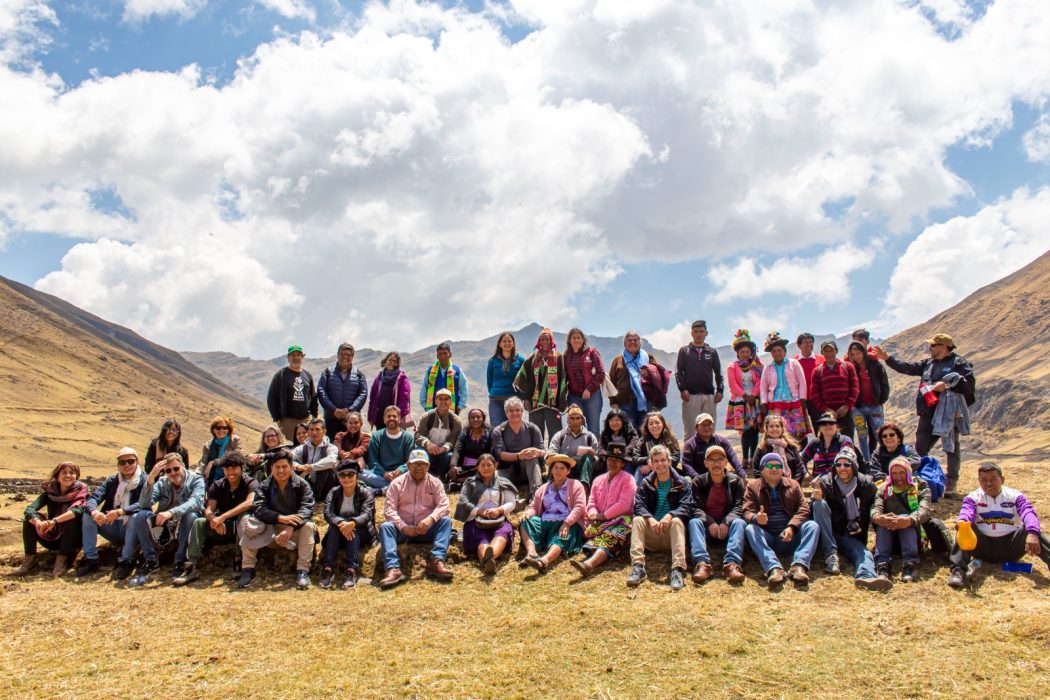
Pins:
x,y
122,497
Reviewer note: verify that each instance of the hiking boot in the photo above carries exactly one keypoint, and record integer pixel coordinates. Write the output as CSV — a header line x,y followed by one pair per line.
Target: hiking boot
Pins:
x,y
247,576
28,564
677,579
775,577
188,574
123,570
61,566
351,579
142,574
831,564
438,569
874,584
884,571
637,575
798,574
909,575
701,572
392,578
325,581
302,579
951,489
87,567
178,571
957,579
733,573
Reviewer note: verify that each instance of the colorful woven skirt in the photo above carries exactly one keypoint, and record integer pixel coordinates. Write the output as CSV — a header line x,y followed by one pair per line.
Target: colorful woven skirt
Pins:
x,y
610,536
741,416
794,415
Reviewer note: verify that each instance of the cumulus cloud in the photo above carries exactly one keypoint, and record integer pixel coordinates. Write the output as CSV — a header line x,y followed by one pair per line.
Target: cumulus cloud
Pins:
x,y
415,176
1037,141
23,25
670,339
292,9
140,10
951,260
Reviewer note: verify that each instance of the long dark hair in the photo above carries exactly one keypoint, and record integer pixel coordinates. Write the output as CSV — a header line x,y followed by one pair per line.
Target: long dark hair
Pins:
x,y
628,431
568,338
513,351
162,439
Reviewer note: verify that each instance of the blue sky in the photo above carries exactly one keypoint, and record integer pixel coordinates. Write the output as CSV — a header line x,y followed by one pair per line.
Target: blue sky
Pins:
x,y
322,173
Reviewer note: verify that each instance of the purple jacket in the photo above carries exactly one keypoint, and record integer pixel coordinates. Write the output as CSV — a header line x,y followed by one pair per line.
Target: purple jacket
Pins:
x,y
402,392
996,517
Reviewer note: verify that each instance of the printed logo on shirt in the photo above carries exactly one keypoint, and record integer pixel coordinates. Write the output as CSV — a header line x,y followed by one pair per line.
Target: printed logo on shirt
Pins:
x,y
298,389
994,518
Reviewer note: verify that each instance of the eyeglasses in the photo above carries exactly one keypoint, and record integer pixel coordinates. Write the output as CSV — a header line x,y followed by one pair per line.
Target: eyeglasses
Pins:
x,y
126,462
222,427
171,470
774,465
843,464
716,460
887,436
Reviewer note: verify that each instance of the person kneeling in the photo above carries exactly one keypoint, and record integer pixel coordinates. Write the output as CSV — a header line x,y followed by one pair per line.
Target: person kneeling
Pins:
x,y
284,504
552,520
842,502
229,498
777,513
350,510
662,505
718,512
902,508
416,510
484,505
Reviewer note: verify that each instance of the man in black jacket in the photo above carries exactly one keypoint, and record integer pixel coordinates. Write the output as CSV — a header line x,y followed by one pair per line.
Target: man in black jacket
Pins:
x,y
283,507
944,371
663,505
292,397
108,509
841,506
718,509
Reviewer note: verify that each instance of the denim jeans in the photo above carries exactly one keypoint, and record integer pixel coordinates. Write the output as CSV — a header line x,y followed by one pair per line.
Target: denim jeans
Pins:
x,y
734,543
830,543
873,419
390,537
113,532
496,413
908,538
767,546
334,541
375,481
592,410
139,536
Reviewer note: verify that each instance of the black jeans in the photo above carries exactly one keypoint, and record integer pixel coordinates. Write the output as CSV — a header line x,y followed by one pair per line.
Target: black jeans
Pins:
x,y
67,544
999,549
334,541
925,440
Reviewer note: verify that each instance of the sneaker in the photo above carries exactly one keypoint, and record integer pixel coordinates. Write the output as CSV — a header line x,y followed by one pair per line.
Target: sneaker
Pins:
x,y
179,569
733,573
798,574
123,570
88,567
351,579
775,577
957,579
909,575
677,579
247,576
701,572
325,581
142,574
831,564
884,571
188,574
873,584
302,579
637,575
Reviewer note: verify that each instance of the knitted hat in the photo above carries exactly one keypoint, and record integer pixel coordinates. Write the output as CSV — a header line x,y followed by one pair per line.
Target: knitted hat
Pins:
x,y
774,340
769,459
902,463
574,410
847,454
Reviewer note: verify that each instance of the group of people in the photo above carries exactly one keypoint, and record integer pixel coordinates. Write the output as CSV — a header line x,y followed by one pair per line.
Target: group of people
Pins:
x,y
631,486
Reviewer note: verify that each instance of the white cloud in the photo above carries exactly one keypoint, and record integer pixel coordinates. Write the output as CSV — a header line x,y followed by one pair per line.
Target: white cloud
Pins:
x,y
416,176
951,260
140,10
762,321
23,25
1037,141
292,9
670,339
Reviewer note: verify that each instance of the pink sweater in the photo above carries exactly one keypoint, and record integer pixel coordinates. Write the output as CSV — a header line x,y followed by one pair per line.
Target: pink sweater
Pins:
x,y
796,380
736,380
577,502
612,499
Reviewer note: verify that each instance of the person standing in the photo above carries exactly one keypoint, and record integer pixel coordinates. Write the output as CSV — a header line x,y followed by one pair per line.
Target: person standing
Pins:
x,y
292,397
444,375
341,390
808,362
699,376
874,391
783,388
625,374
500,372
947,388
585,373
744,411
390,388
541,380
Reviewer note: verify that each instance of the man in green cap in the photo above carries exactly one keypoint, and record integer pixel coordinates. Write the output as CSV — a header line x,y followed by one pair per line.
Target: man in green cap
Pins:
x,y
946,391
292,397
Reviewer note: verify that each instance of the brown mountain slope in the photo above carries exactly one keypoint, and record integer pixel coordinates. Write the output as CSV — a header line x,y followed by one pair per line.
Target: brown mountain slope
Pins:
x,y
1004,330
73,386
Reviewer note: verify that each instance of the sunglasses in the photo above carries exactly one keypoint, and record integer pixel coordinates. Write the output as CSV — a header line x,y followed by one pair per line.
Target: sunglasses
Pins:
x,y
126,462
774,465
222,427
843,464
347,475
171,470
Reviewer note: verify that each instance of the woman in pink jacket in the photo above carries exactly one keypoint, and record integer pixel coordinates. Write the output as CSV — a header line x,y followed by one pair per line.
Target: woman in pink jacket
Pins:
x,y
609,512
783,388
744,413
552,520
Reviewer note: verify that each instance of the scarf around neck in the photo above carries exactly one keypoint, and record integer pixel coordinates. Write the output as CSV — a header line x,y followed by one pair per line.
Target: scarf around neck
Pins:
x,y
634,370
848,488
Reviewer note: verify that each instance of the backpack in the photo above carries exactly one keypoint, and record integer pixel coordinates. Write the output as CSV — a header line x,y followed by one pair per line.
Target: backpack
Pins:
x,y
932,473
655,382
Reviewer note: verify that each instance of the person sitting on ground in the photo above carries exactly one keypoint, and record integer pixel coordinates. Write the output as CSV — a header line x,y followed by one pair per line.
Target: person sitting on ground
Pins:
x,y
518,445
663,505
416,511
776,439
444,375
350,511
610,510
437,433
902,507
655,431
228,499
484,507
169,441
841,506
891,446
388,451
109,509
577,442
302,434
271,441
824,448
1004,522
352,443
178,495
284,504
616,427
552,521
316,458
473,441
222,441
700,442
718,513
543,383
835,387
63,497
777,513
